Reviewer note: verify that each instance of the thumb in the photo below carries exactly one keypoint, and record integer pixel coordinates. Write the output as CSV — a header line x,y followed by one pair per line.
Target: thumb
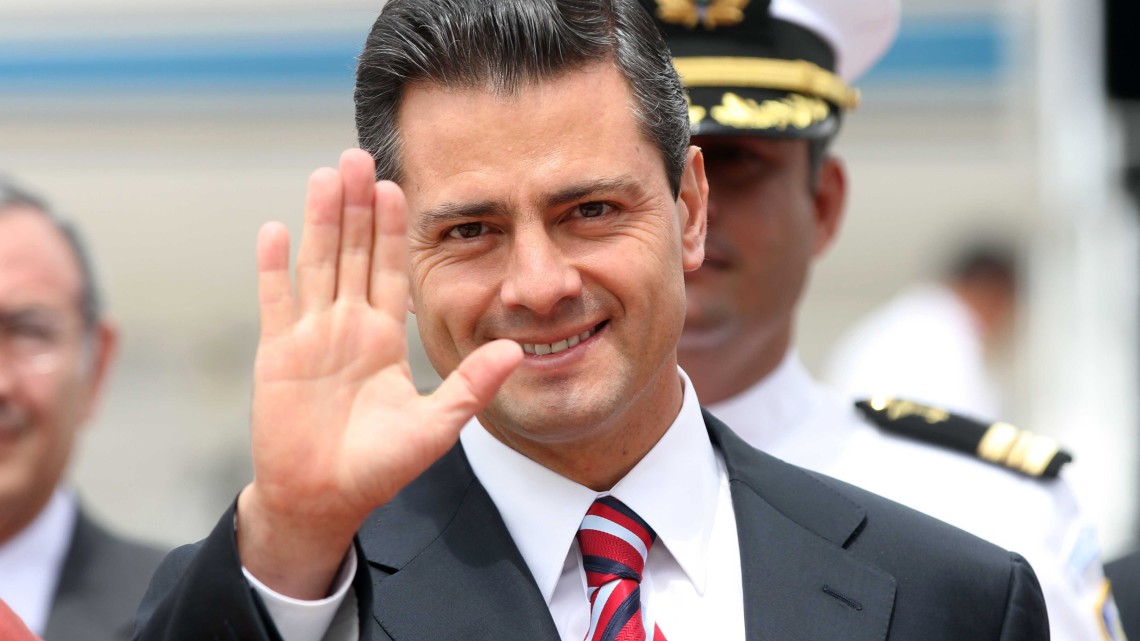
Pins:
x,y
473,385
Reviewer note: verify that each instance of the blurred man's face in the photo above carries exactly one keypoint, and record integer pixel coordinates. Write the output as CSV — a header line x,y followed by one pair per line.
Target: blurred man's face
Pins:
x,y
50,365
768,219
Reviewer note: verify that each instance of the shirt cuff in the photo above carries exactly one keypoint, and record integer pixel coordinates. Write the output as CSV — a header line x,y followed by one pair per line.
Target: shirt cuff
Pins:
x,y
300,620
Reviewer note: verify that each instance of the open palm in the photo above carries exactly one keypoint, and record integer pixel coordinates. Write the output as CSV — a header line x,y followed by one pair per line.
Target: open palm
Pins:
x,y
338,427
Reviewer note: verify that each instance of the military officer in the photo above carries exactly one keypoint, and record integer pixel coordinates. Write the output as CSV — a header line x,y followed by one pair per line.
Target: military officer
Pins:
x,y
769,83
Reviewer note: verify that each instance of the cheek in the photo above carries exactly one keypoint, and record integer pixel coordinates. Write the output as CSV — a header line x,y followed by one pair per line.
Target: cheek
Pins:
x,y
56,408
451,306
654,281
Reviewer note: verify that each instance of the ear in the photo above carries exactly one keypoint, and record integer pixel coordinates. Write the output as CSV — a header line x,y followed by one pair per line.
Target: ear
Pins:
x,y
830,199
105,338
692,204
411,305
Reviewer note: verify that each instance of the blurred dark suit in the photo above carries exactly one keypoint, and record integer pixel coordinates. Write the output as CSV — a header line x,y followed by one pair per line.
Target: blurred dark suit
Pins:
x,y
102,581
1124,574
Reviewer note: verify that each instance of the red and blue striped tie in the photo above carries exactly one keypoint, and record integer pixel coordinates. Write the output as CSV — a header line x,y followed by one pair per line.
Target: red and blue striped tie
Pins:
x,y
614,543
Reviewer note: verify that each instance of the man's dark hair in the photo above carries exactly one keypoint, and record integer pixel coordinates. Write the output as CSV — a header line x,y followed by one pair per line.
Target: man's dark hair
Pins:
x,y
993,261
505,46
90,300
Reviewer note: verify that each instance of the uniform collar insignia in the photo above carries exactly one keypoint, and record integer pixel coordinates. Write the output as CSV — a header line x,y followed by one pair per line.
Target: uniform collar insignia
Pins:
x,y
710,13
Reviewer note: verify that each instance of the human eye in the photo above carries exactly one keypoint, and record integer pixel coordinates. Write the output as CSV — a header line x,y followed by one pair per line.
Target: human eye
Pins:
x,y
35,331
467,231
736,167
30,332
592,210
731,158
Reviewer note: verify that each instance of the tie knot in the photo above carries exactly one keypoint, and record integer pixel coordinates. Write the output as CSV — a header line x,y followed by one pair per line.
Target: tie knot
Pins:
x,y
614,542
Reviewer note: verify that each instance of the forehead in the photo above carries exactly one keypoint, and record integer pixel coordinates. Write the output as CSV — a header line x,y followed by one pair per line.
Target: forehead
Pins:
x,y
36,265
461,144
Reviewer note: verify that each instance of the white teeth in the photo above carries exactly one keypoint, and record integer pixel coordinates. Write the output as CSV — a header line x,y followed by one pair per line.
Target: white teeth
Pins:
x,y
542,349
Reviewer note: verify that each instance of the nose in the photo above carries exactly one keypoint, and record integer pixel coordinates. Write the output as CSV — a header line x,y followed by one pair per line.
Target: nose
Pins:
x,y
539,274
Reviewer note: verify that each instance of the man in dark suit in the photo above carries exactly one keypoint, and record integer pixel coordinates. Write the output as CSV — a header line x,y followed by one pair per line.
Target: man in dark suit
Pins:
x,y
1124,573
64,575
770,87
547,206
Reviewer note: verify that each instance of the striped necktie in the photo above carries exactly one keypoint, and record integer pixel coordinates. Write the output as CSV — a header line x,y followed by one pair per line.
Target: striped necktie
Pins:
x,y
614,543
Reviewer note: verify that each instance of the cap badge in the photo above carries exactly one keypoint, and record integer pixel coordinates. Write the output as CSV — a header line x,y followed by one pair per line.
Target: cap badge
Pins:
x,y
794,111
710,13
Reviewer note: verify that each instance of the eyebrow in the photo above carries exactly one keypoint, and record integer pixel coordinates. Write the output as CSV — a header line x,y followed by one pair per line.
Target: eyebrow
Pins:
x,y
34,313
585,189
453,213
449,214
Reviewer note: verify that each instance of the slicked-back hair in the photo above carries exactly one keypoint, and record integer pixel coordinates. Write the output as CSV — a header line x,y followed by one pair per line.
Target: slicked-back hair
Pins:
x,y
90,299
505,46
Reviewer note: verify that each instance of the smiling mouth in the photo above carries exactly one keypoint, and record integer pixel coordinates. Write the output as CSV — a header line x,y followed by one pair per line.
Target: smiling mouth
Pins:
x,y
542,349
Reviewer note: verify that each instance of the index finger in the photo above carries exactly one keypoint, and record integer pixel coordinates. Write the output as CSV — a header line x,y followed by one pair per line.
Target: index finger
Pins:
x,y
388,287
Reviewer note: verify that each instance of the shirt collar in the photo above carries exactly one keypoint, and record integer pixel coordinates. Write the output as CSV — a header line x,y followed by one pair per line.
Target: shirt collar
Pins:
x,y
771,409
30,562
543,510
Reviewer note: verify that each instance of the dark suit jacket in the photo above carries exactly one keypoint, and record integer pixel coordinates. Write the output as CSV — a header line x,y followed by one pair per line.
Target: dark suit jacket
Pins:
x,y
821,561
1125,577
103,580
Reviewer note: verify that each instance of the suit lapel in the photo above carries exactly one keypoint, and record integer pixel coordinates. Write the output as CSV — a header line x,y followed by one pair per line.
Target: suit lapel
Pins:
x,y
445,566
800,583
101,583
441,547
78,607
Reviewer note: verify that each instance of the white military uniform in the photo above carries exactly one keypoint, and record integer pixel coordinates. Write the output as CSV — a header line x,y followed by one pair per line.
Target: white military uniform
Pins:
x,y
795,418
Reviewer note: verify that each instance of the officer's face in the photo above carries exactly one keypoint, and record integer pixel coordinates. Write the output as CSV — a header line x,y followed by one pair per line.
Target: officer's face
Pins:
x,y
768,219
560,232
50,365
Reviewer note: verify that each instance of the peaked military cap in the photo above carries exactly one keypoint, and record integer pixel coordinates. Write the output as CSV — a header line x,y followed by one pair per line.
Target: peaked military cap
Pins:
x,y
773,67
999,443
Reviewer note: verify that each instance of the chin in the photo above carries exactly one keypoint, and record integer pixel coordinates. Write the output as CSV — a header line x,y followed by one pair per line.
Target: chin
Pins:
x,y
555,416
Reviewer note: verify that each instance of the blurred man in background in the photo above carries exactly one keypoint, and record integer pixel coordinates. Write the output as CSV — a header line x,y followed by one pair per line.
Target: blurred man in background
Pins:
x,y
768,86
1125,576
65,576
930,342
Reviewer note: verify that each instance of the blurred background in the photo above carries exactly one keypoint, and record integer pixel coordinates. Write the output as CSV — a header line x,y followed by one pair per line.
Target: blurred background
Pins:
x,y
170,131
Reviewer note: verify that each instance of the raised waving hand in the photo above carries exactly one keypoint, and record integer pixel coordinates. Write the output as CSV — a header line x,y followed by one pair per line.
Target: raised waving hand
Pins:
x,y
338,427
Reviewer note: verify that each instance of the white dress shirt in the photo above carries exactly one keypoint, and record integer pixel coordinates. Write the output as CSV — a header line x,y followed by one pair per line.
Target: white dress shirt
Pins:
x,y
680,488
691,586
31,561
795,418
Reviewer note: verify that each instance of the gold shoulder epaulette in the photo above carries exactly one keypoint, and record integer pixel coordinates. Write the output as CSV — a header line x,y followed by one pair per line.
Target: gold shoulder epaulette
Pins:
x,y
999,443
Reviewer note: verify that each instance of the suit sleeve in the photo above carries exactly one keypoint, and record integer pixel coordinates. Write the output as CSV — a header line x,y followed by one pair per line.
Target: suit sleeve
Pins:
x,y
200,592
1026,618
